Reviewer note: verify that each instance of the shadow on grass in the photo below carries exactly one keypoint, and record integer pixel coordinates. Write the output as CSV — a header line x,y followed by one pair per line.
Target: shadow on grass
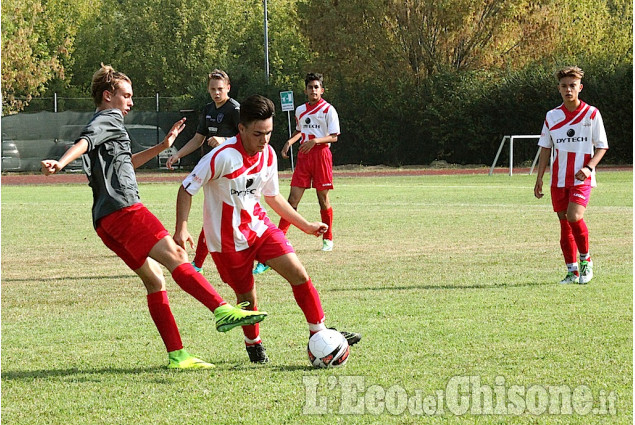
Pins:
x,y
55,278
418,287
88,375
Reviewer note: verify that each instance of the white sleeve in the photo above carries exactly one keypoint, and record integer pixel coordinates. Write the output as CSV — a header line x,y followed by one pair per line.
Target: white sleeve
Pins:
x,y
545,137
271,186
200,175
333,121
599,134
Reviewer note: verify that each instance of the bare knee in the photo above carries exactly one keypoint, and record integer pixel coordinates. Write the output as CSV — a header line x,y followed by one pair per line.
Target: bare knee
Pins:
x,y
152,277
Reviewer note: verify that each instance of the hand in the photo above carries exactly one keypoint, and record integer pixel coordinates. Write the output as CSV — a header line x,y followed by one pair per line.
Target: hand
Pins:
x,y
182,236
171,161
215,141
173,133
285,150
307,146
583,174
50,166
538,189
316,229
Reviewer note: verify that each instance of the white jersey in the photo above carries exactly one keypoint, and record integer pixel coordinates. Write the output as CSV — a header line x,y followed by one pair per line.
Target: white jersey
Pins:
x,y
574,135
315,121
232,182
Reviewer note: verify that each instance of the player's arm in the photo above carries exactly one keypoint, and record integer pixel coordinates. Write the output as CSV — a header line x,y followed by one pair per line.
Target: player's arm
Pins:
x,y
183,207
309,144
545,154
286,211
193,144
140,158
51,166
294,138
588,168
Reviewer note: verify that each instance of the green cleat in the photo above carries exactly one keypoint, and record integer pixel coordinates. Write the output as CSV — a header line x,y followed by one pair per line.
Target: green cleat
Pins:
x,y
261,268
571,277
586,271
197,268
181,359
228,317
327,245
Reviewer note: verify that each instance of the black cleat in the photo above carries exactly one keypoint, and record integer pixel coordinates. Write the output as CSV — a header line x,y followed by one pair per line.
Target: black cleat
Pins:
x,y
257,353
351,337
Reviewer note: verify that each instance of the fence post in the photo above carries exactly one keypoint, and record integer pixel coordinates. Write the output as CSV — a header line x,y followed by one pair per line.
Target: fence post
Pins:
x,y
54,102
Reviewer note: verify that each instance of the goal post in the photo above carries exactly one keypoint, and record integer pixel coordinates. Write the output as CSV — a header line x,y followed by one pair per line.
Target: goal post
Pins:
x,y
511,139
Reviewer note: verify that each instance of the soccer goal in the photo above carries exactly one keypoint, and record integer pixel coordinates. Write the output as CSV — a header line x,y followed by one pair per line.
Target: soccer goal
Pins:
x,y
511,152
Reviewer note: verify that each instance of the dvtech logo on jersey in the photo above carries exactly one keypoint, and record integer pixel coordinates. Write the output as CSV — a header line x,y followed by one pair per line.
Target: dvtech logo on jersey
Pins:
x,y
245,192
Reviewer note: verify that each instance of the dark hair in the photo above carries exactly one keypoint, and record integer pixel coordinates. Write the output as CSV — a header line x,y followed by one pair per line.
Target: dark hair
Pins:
x,y
314,77
256,108
106,78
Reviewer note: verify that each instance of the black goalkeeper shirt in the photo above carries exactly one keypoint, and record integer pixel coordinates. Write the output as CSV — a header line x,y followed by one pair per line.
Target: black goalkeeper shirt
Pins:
x,y
222,122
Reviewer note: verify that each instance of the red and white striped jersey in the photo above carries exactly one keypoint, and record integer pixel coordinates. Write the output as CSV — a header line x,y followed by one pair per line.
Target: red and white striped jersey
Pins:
x,y
574,135
232,183
315,121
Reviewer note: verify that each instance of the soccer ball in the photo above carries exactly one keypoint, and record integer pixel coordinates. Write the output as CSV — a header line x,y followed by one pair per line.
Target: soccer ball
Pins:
x,y
328,348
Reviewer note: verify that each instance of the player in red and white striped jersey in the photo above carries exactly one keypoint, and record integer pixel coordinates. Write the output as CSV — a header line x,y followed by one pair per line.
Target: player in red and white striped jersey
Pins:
x,y
576,131
317,126
233,177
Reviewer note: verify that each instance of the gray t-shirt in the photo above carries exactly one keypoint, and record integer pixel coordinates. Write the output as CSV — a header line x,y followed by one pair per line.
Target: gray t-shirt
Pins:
x,y
108,164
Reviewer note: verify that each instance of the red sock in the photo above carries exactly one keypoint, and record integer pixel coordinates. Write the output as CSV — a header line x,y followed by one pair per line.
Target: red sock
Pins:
x,y
252,332
568,243
581,234
161,314
284,225
327,218
201,250
309,301
197,286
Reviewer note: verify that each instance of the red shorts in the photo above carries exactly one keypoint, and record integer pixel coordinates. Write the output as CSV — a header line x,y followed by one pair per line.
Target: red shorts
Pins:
x,y
131,233
235,268
562,196
314,169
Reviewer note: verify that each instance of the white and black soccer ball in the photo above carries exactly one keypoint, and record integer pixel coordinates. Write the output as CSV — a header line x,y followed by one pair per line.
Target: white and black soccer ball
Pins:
x,y
328,348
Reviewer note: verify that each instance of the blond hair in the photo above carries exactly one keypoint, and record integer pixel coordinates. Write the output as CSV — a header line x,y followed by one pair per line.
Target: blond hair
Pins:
x,y
569,71
218,74
106,78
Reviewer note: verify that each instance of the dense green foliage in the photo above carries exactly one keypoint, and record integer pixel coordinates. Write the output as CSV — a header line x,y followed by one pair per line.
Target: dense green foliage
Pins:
x,y
413,81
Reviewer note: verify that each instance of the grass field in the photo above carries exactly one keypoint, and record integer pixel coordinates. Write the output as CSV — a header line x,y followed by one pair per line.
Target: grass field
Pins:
x,y
447,277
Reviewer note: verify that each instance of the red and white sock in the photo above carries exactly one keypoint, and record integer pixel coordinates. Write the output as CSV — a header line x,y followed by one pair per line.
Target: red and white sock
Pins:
x,y
581,234
161,314
567,243
309,302
197,286
327,218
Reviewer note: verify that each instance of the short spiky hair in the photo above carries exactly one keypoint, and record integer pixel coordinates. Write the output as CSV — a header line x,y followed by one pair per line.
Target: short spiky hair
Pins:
x,y
311,76
106,78
218,74
256,108
569,71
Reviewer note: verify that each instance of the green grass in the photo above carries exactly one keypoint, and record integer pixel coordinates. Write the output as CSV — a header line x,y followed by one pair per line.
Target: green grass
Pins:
x,y
446,276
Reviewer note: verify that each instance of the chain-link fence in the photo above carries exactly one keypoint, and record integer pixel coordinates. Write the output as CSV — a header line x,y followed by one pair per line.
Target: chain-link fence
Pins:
x,y
49,126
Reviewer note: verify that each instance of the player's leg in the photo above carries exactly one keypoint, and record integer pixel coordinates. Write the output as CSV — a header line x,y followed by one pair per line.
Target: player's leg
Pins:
x,y
580,231
326,214
295,196
234,269
253,342
174,258
560,202
201,252
322,173
152,277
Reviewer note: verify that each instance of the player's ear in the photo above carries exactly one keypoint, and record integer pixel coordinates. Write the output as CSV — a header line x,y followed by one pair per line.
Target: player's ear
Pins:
x,y
581,85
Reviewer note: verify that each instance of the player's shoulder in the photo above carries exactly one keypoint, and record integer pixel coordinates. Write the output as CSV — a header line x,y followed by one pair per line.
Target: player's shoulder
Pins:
x,y
233,103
